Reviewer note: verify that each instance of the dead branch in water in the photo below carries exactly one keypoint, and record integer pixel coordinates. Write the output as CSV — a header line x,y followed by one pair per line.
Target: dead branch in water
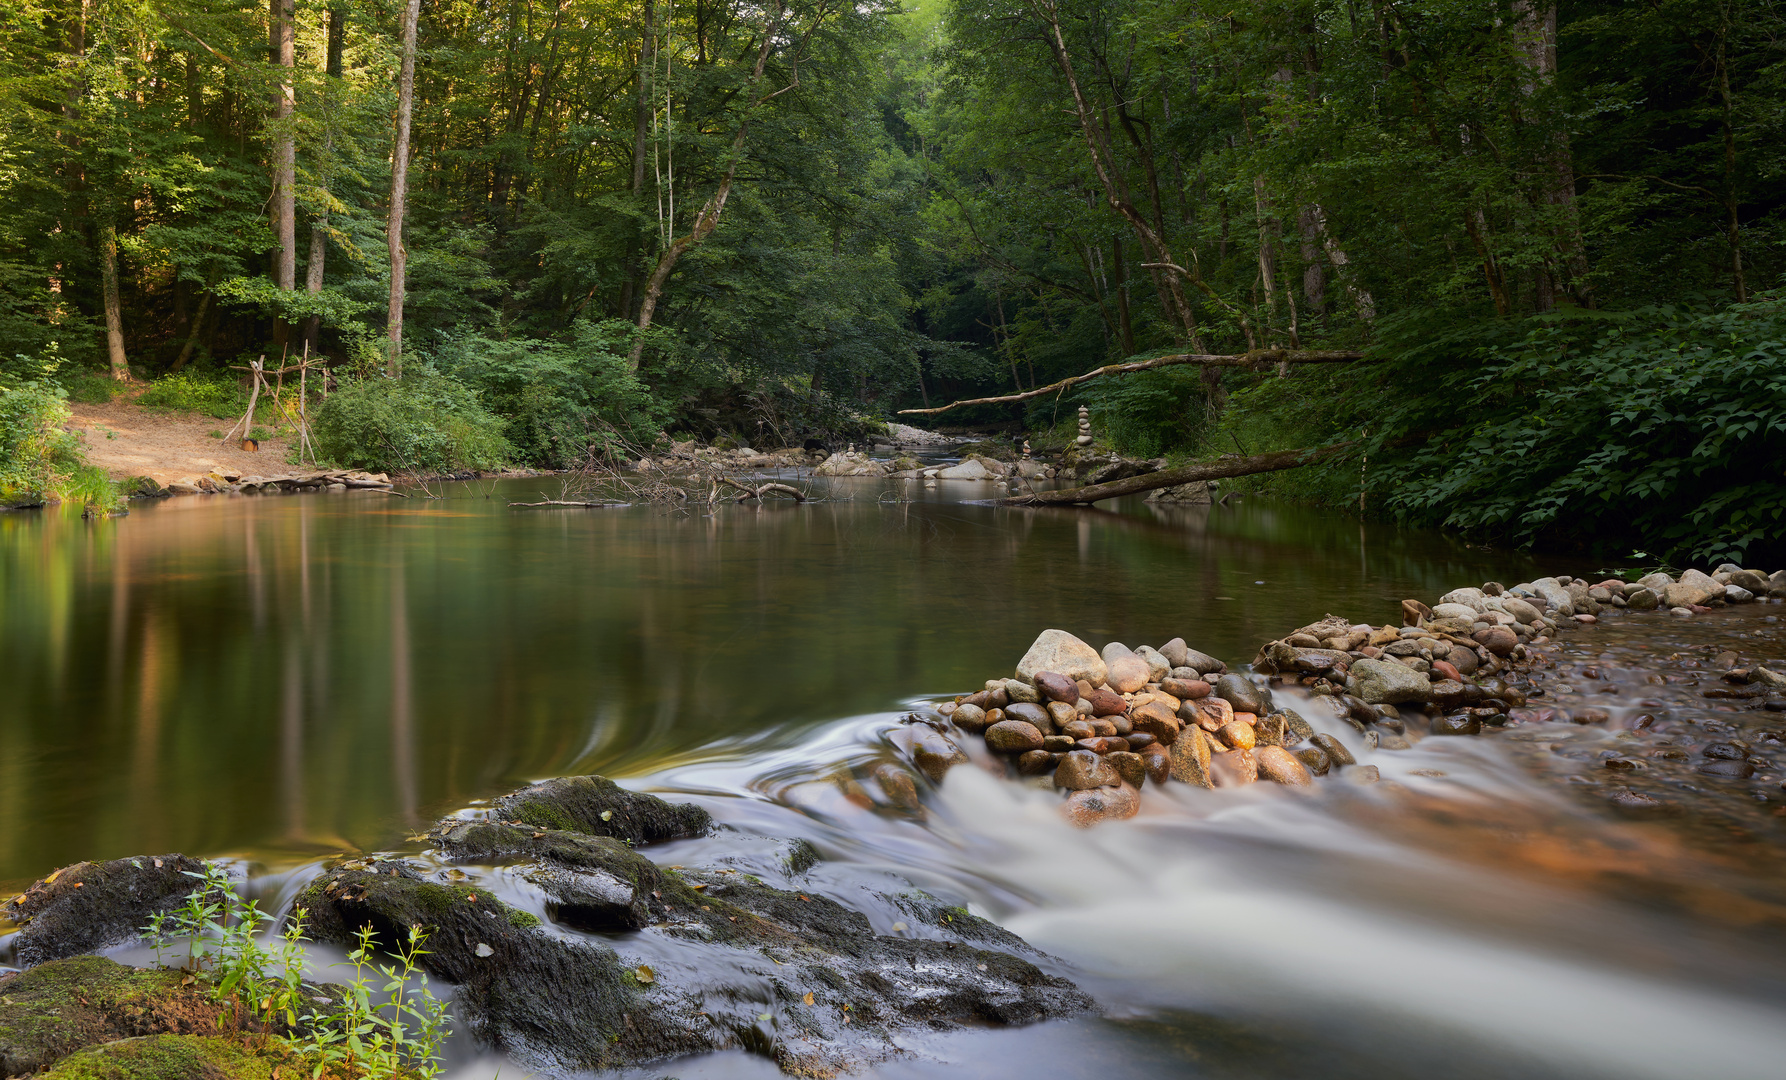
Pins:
x,y
764,489
1258,359
572,502
1218,469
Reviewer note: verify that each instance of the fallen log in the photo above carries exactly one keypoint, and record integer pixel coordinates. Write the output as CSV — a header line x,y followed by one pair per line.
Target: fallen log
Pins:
x,y
574,502
1221,468
1258,359
763,489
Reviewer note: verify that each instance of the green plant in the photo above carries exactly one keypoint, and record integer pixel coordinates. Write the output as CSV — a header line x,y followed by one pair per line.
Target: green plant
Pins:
x,y
40,460
380,1027
214,433
91,387
218,395
383,1027
424,422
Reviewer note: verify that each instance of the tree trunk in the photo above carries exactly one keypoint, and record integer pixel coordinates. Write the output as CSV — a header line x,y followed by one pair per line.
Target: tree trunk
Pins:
x,y
114,315
708,218
198,322
643,106
1221,468
319,225
400,187
285,226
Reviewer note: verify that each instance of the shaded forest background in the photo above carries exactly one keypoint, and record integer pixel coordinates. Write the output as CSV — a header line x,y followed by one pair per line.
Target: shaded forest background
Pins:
x,y
1555,231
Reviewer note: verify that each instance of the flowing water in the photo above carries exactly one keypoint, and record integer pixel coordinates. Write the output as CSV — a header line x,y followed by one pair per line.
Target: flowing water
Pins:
x,y
280,679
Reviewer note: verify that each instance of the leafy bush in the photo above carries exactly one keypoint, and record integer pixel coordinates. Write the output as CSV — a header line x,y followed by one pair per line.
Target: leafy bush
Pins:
x,y
39,460
1149,413
91,387
560,400
424,422
1662,427
213,394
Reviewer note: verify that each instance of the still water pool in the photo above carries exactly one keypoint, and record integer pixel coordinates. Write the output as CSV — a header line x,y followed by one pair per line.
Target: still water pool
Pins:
x,y
280,679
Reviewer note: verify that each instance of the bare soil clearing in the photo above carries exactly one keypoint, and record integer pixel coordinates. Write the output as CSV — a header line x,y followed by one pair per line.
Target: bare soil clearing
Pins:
x,y
125,439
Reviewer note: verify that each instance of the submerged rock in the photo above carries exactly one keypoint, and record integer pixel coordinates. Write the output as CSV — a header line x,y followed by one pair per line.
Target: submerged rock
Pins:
x,y
186,1057
600,807
90,906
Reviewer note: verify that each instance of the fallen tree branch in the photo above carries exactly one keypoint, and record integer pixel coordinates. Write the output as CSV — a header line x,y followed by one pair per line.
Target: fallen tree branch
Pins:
x,y
1220,468
1258,358
572,502
763,489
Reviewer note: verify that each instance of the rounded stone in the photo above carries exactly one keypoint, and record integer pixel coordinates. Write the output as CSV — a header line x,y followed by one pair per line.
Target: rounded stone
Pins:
x,y
1233,768
1078,729
1334,749
1059,713
1056,687
969,717
1035,763
1087,808
935,755
1129,766
1057,650
1457,725
1128,674
1282,767
1185,689
1058,744
1727,770
1141,739
1107,702
1013,737
1153,719
897,785
1082,770
1031,713
1239,734
1314,759
1243,695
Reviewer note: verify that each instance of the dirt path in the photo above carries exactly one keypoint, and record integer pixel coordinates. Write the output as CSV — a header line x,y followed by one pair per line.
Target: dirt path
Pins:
x,y
126,439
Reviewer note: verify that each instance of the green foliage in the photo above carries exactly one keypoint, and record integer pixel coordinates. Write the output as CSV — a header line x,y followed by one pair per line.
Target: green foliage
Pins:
x,y
425,422
39,459
387,1024
1150,413
91,387
1665,426
560,401
216,394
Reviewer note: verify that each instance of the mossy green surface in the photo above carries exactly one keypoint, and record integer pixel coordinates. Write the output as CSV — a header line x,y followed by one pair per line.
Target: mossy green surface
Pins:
x,y
184,1057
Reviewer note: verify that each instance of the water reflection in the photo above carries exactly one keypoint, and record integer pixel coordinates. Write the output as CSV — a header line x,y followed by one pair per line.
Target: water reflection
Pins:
x,y
278,676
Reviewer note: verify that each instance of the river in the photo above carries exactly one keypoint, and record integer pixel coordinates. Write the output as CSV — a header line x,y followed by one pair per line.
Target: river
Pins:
x,y
278,679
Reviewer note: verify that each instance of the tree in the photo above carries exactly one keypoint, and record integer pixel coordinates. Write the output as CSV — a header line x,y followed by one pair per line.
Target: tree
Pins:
x,y
400,188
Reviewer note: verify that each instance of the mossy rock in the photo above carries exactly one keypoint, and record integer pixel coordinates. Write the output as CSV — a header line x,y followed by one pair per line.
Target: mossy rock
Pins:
x,y
600,807
90,906
185,1057
63,1006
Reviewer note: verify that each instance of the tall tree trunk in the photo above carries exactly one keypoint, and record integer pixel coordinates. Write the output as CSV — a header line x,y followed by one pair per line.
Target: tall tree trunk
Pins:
x,y
643,106
1537,29
412,13
285,224
114,315
319,225
1124,318
708,219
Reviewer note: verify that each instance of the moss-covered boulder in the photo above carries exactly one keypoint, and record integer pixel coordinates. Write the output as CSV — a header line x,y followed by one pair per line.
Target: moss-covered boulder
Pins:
x,y
90,906
185,1057
720,959
62,1006
600,807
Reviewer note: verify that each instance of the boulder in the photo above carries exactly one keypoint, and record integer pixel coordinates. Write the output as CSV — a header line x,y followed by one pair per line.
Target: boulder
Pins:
x,y
1057,650
1694,588
597,805
971,469
1381,682
1455,611
90,906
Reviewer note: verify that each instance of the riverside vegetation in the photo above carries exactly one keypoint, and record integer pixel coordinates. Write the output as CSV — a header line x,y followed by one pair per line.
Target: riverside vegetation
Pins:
x,y
1546,233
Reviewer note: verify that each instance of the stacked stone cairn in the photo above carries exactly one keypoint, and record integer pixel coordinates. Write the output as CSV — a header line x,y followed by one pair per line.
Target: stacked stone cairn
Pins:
x,y
1084,438
1103,726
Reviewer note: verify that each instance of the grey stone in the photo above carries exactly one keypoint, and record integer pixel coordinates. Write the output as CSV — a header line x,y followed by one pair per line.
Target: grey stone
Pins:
x,y
1243,695
1736,594
1693,588
1031,713
1554,594
1643,600
1114,649
1158,667
1018,690
1057,650
1387,682
1454,611
970,469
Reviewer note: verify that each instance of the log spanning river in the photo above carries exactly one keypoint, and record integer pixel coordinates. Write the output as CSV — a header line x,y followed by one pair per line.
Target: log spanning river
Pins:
x,y
278,680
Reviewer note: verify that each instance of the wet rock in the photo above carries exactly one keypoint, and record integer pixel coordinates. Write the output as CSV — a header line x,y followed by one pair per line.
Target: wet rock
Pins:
x,y
1295,726
1362,774
1082,770
1334,749
597,883
1386,682
1233,768
1140,739
1314,759
1272,730
1057,650
1238,734
1060,744
1457,725
1023,692
1280,766
90,906
1643,600
1158,761
1556,595
1154,719
898,786
1463,661
1693,588
1498,640
1031,713
1036,763
1209,713
1128,674
1060,713
971,718
1107,702
1727,770
1088,808
1190,757
1079,729
1054,686
597,805
1185,689
1638,804
935,755
1243,695
1445,670
558,1005
1129,766
1013,737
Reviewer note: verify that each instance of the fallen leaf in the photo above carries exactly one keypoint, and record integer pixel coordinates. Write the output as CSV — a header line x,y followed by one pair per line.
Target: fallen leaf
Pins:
x,y
645,974
607,815
537,835
807,1000
473,897
804,897
484,950
699,885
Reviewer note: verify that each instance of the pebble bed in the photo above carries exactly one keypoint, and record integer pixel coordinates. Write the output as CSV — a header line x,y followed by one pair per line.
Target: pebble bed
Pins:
x,y
1103,726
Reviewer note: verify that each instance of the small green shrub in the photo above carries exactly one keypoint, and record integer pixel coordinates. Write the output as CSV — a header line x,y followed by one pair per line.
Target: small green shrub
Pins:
x,y
40,460
91,388
1150,413
217,394
424,422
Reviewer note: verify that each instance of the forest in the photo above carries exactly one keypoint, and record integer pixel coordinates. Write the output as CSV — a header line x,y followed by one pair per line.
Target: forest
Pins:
x,y
532,231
